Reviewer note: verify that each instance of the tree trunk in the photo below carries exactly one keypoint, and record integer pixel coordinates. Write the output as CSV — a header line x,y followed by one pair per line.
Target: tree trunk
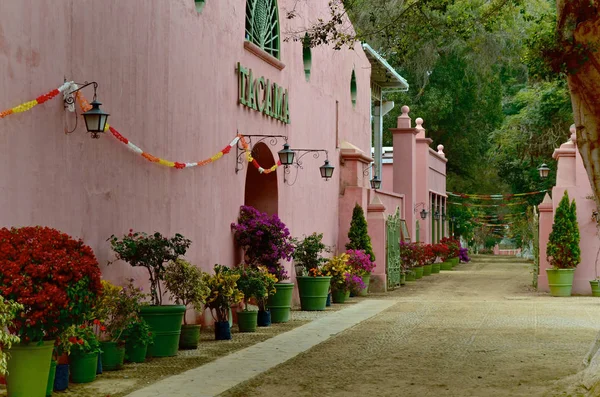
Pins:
x,y
584,83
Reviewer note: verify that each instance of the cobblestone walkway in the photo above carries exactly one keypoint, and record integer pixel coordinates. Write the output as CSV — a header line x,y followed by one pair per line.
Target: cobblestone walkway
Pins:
x,y
476,331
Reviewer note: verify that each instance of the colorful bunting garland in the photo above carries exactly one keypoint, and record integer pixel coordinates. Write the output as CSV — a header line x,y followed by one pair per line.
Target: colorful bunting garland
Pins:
x,y
37,101
85,106
488,205
493,196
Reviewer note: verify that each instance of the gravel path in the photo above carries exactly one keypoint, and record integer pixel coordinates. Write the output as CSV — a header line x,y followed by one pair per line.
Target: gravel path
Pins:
x,y
476,331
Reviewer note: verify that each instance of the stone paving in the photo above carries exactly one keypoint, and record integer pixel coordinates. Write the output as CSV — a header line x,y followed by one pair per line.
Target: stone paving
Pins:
x,y
220,375
476,331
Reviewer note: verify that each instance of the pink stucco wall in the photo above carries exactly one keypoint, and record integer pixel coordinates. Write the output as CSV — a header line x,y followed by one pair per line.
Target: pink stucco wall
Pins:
x,y
166,74
572,177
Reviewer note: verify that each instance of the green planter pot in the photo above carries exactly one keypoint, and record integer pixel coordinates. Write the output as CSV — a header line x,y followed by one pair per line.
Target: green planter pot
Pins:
x,y
338,296
595,284
280,303
454,261
165,322
427,270
410,275
313,292
51,376
189,337
28,369
403,279
247,320
418,272
83,367
347,294
560,281
366,281
135,353
435,268
113,356
446,265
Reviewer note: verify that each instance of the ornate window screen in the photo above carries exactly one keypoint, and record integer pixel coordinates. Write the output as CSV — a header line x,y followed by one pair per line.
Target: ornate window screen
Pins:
x,y
262,25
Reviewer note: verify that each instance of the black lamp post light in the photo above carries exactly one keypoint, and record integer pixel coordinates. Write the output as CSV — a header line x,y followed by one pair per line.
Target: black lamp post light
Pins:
x,y
287,156
95,118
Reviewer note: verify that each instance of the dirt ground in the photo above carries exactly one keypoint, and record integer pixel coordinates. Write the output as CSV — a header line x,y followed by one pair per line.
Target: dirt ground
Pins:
x,y
476,331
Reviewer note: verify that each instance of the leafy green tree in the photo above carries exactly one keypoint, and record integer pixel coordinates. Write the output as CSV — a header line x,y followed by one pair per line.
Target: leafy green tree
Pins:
x,y
359,234
563,250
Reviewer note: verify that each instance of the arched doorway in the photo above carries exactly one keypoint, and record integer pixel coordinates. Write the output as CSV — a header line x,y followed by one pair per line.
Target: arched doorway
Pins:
x,y
261,189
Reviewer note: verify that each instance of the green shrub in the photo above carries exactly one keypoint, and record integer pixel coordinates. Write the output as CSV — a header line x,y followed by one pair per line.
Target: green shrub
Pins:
x,y
563,250
359,234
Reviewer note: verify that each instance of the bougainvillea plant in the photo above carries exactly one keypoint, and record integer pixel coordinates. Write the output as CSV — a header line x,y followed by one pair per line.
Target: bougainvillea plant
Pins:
x,y
464,255
152,252
354,282
408,255
441,251
54,277
265,240
360,261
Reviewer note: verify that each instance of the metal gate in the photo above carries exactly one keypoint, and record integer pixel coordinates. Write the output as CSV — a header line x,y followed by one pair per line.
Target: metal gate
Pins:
x,y
392,263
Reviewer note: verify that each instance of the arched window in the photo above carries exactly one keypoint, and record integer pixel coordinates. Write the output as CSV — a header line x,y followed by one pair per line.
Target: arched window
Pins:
x,y
199,5
353,88
262,25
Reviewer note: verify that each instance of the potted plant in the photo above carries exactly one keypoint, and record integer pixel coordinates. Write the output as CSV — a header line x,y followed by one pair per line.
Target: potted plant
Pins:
x,y
113,312
62,349
426,258
224,293
463,255
343,278
255,283
362,265
84,351
185,282
563,252
153,252
454,251
266,241
138,336
56,279
441,252
408,258
313,285
8,312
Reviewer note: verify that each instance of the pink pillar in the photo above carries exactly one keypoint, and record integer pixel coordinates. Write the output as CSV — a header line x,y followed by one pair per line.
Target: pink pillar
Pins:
x,y
422,180
405,161
377,232
545,226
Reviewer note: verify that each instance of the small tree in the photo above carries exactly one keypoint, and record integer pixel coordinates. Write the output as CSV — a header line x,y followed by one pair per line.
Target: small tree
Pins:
x,y
358,233
186,284
563,250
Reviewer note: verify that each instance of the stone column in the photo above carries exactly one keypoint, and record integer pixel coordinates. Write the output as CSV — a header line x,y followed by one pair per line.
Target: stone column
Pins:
x,y
405,165
377,232
545,226
422,179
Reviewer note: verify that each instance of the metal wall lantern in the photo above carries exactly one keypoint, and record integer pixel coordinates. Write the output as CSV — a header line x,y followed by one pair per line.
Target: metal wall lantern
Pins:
x,y
95,118
436,215
544,171
376,183
423,211
444,216
287,156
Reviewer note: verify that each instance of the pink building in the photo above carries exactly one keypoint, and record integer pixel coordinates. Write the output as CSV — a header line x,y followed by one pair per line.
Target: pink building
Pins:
x,y
180,80
571,177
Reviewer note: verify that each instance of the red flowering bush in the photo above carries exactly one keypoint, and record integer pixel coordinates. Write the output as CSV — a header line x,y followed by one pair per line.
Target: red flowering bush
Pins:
x,y
453,246
441,251
54,277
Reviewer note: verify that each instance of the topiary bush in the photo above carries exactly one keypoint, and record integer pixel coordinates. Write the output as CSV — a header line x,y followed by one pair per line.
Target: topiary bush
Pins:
x,y
359,234
563,250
